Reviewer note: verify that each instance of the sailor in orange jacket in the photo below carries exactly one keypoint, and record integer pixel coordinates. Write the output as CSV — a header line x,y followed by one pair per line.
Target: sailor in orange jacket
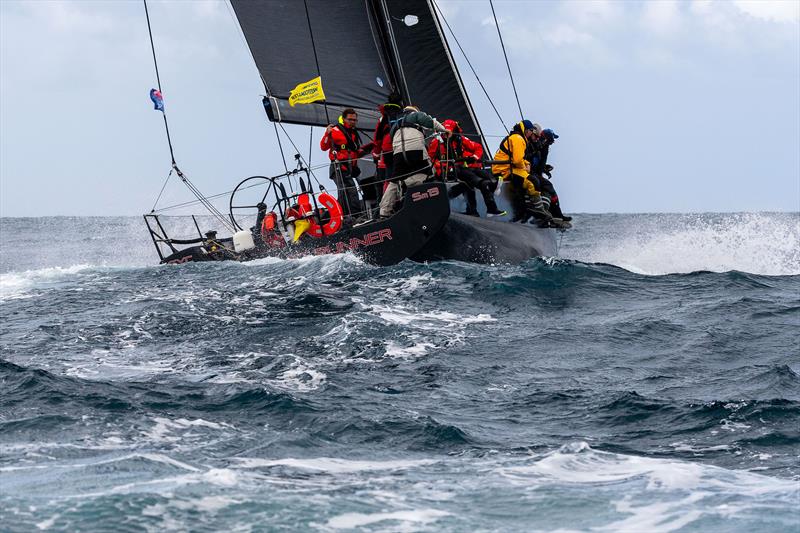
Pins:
x,y
344,149
459,158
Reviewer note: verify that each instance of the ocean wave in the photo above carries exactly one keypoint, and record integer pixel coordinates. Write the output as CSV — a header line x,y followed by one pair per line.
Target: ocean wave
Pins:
x,y
758,243
19,284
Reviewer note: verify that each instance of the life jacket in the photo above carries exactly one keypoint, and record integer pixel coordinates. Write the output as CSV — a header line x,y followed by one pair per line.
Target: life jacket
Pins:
x,y
343,144
444,151
506,148
389,114
408,146
352,139
472,149
269,231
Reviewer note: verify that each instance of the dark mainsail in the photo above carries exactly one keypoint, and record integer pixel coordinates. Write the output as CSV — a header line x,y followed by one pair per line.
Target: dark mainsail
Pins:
x,y
362,49
429,75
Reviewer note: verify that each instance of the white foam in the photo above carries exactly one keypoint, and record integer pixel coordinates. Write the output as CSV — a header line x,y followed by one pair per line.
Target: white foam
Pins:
x,y
427,320
224,477
331,465
416,516
393,349
300,378
15,285
758,243
419,333
661,495
164,426
47,524
662,517
579,463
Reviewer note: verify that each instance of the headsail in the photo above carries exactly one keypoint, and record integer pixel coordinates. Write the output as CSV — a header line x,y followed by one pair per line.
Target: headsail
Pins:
x,y
362,49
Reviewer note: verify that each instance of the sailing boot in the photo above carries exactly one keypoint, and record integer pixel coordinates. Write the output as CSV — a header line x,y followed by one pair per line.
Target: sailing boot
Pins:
x,y
555,210
488,199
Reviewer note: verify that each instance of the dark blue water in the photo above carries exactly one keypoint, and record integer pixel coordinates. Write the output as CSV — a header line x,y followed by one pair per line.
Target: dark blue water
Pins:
x,y
647,380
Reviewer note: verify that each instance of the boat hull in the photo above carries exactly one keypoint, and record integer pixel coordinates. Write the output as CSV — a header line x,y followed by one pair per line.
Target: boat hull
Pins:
x,y
424,229
480,240
424,212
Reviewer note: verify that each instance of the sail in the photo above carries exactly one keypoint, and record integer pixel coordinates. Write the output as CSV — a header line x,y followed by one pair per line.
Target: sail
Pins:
x,y
428,73
294,41
361,49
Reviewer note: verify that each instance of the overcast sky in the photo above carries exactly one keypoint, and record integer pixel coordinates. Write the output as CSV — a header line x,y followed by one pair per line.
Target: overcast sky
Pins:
x,y
661,106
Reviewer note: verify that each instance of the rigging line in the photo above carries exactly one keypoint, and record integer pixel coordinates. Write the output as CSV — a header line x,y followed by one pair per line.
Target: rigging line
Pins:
x,y
278,136
213,196
310,144
496,112
204,201
283,157
214,211
503,46
297,151
153,210
316,59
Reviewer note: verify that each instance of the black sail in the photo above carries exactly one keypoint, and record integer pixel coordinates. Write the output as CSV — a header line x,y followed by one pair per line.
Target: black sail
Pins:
x,y
428,72
294,41
362,49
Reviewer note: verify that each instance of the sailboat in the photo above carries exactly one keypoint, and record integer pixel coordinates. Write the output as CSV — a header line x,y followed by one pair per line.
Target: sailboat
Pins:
x,y
360,50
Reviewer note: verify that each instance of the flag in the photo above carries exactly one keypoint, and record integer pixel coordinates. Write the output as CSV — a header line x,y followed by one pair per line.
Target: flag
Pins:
x,y
305,93
158,100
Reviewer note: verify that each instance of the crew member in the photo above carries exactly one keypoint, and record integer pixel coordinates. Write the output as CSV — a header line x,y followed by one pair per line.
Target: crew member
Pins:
x,y
460,159
412,165
514,170
540,169
382,151
344,148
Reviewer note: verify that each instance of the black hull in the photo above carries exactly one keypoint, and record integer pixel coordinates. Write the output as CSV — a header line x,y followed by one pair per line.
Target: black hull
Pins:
x,y
423,230
424,213
480,240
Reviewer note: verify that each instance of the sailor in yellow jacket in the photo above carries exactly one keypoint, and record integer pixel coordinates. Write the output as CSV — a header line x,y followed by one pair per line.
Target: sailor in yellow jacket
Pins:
x,y
515,171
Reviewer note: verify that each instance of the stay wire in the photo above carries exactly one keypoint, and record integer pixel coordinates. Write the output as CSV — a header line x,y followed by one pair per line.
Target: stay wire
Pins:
x,y
153,210
298,152
204,201
508,65
496,112
310,143
280,146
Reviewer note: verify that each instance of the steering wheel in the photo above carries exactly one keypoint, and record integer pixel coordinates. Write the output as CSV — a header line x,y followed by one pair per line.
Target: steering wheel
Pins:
x,y
249,183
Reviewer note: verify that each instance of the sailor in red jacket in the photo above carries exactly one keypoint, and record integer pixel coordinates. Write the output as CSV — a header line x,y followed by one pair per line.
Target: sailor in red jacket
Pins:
x,y
460,159
372,187
344,148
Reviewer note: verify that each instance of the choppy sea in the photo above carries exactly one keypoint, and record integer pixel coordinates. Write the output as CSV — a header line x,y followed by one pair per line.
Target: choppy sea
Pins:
x,y
648,379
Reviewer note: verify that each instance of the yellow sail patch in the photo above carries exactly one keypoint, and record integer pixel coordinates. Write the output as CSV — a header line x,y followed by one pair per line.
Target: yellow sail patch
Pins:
x,y
305,93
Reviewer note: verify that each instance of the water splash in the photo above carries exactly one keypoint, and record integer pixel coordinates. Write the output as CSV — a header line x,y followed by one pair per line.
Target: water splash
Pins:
x,y
757,243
